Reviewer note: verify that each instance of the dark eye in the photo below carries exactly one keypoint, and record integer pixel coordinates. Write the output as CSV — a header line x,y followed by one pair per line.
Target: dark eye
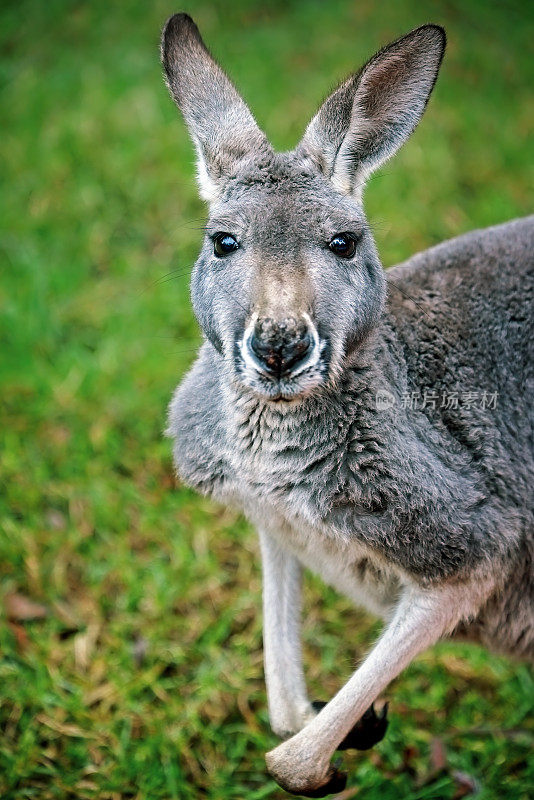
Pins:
x,y
223,244
343,244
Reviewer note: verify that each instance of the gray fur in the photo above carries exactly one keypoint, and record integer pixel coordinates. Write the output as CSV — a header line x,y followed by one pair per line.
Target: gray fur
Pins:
x,y
423,515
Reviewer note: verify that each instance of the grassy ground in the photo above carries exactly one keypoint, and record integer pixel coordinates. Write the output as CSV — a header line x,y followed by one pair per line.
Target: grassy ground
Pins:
x,y
138,673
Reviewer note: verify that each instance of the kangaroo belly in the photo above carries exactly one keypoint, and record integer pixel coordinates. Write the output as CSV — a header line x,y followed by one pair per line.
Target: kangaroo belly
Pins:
x,y
349,567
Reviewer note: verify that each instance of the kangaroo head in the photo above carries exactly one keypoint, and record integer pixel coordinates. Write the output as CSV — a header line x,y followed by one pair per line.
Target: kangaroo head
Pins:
x,y
288,282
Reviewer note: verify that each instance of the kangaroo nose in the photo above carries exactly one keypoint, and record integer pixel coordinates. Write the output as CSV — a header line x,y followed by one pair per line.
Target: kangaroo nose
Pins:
x,y
280,345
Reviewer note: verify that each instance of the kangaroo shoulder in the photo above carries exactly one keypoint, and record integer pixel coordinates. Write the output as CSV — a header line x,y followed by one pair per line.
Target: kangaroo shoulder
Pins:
x,y
469,297
196,424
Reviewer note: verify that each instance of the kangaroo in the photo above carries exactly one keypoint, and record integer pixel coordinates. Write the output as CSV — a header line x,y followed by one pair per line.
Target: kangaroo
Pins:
x,y
301,406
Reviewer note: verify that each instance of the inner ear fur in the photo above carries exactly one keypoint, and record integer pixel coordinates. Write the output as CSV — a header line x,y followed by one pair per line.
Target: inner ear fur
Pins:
x,y
221,126
371,114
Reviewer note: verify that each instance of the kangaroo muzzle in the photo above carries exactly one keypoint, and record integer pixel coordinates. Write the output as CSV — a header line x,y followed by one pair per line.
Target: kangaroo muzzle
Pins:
x,y
281,348
281,345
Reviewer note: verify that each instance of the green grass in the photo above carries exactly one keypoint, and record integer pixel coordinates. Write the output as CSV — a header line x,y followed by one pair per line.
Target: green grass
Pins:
x,y
144,680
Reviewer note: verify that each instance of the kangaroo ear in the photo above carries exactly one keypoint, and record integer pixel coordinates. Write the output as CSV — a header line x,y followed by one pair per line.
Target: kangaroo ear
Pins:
x,y
365,121
221,126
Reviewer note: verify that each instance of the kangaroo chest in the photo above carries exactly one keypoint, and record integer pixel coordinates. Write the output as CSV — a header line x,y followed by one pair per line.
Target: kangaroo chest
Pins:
x,y
348,566
289,471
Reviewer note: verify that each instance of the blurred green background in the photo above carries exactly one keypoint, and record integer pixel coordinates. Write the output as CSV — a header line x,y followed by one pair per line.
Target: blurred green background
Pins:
x,y
130,630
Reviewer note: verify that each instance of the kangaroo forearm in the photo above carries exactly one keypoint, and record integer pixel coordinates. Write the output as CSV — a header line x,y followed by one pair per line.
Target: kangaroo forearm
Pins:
x,y
289,707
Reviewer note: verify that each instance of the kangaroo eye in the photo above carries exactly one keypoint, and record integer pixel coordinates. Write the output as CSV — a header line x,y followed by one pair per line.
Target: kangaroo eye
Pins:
x,y
223,244
343,244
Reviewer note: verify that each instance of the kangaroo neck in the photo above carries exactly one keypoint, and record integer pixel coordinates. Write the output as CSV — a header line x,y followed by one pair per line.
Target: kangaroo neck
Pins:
x,y
352,406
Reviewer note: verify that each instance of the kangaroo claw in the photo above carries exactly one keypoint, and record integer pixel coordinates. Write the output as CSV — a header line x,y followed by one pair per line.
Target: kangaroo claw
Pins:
x,y
368,731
